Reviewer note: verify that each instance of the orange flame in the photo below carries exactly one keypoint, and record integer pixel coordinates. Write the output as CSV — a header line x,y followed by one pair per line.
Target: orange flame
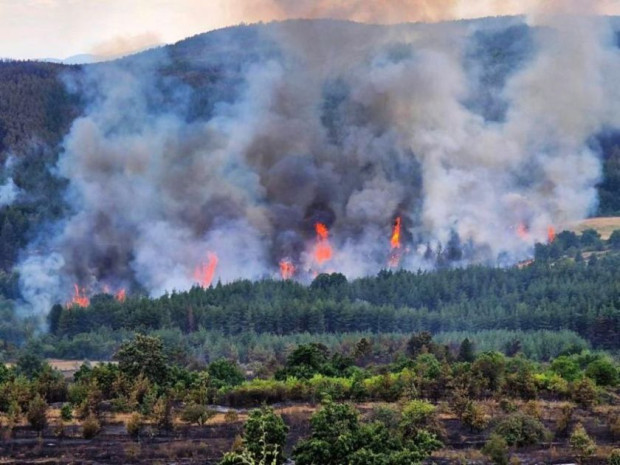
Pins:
x,y
395,241
121,296
79,299
551,234
522,231
287,269
323,251
204,273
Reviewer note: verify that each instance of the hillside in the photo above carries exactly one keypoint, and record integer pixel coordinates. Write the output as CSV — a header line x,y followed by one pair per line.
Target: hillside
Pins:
x,y
257,134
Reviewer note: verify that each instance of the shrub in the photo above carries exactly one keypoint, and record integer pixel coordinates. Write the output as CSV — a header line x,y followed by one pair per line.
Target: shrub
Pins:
x,y
264,437
196,413
231,416
496,449
614,457
581,443
474,417
134,425
66,412
36,413
91,427
520,430
584,393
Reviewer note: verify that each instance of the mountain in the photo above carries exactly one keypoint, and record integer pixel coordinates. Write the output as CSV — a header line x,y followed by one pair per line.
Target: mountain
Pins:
x,y
275,128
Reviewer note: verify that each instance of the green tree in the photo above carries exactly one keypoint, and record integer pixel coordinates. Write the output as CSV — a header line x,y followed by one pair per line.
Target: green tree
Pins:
x,y
466,351
581,443
496,448
225,373
36,413
143,355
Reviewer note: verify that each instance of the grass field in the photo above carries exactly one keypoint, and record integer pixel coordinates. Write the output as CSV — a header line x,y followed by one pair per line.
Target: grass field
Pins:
x,y
605,226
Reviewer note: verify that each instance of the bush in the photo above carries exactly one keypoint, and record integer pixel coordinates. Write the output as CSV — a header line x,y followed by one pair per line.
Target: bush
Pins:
x,y
36,413
496,449
585,394
581,443
91,427
614,457
474,417
134,425
66,412
196,413
521,430
264,437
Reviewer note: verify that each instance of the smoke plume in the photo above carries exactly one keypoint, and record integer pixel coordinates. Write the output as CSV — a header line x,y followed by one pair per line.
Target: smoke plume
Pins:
x,y
346,125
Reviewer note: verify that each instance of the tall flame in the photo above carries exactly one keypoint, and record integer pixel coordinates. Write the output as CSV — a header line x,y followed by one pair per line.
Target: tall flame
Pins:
x,y
551,234
395,241
323,251
203,274
79,299
287,269
395,244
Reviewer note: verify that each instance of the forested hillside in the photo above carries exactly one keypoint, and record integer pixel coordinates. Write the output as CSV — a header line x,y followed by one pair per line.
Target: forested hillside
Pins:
x,y
574,284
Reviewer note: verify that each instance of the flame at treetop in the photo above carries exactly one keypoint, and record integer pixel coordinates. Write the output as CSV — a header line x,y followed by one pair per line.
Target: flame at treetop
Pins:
x,y
287,269
121,295
395,241
551,234
323,251
79,299
395,244
204,273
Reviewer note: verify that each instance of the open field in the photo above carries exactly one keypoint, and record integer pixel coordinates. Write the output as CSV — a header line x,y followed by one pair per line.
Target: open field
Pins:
x,y
605,226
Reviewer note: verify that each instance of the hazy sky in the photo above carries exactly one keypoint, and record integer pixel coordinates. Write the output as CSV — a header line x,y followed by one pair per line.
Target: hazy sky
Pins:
x,y
61,28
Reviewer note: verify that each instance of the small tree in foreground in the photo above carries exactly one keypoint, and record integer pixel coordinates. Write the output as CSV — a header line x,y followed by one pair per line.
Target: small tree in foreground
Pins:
x,y
36,413
264,436
582,445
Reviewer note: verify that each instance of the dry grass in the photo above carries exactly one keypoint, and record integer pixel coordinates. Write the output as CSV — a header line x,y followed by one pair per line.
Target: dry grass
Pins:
x,y
605,226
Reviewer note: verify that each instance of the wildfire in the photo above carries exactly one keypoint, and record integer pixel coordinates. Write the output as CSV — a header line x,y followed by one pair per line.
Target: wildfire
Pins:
x,y
287,269
522,231
323,251
395,241
551,234
121,295
395,244
79,299
204,273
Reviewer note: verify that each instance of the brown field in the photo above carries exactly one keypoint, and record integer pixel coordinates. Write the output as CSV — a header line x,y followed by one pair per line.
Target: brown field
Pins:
x,y
605,226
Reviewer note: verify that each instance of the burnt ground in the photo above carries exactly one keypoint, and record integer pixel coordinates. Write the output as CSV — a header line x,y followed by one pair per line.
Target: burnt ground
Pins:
x,y
206,444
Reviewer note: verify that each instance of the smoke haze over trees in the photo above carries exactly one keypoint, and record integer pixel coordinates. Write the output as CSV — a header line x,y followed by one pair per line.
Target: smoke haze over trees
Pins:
x,y
480,135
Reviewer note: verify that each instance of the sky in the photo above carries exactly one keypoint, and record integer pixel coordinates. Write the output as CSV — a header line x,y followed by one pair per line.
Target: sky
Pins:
x,y
107,28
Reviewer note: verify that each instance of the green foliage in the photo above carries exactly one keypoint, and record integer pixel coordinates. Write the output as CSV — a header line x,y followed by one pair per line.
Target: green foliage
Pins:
x,y
225,373
496,448
338,437
521,430
603,371
582,445
36,413
66,412
614,457
466,351
264,437
196,413
143,355
585,393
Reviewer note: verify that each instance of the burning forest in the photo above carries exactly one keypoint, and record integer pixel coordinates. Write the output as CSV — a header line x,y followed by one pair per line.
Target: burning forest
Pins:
x,y
326,146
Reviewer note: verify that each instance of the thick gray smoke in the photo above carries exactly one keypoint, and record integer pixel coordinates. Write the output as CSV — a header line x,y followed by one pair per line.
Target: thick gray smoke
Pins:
x,y
347,125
